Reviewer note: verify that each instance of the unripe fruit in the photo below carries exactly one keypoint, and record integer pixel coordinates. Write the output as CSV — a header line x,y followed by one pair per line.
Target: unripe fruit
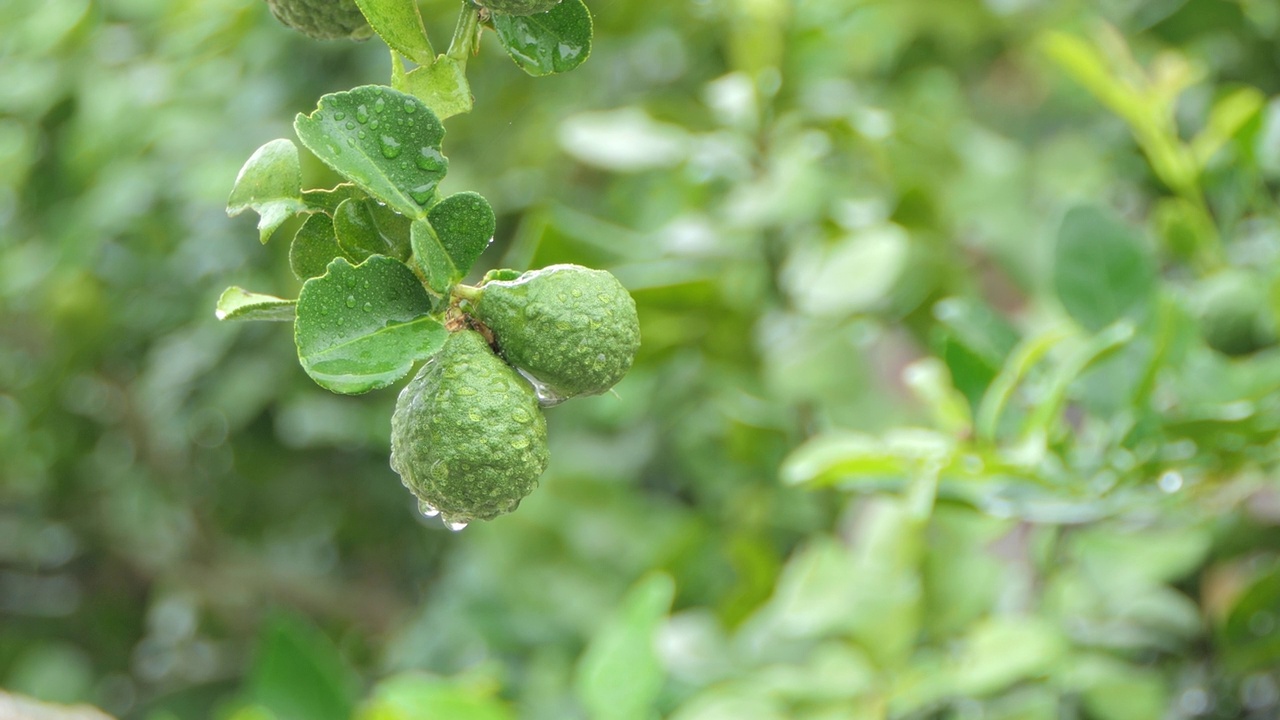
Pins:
x,y
574,330
322,19
1235,317
467,436
518,7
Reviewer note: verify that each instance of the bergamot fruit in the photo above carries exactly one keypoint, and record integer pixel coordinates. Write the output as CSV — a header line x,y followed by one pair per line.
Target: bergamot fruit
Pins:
x,y
570,329
1234,311
467,436
518,7
322,19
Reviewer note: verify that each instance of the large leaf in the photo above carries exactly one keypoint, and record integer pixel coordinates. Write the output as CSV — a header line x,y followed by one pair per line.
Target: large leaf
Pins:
x,y
298,674
384,141
236,303
314,246
555,41
619,676
366,227
1102,272
271,183
399,24
363,327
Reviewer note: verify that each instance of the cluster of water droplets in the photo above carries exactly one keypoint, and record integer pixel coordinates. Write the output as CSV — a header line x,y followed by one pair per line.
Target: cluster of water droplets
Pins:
x,y
429,511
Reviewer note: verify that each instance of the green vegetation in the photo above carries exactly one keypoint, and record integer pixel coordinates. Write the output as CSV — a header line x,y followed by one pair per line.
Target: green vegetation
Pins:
x,y
958,393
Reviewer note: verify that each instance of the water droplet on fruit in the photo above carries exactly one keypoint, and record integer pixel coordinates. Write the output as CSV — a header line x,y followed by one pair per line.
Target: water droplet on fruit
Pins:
x,y
427,509
520,443
520,415
547,397
600,357
368,307
351,301
1171,481
455,526
362,114
430,159
390,147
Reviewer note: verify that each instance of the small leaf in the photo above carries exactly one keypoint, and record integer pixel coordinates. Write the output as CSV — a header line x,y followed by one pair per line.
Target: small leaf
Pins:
x,y
313,247
239,304
555,41
399,25
271,183
418,696
362,328
464,223
366,227
619,676
1101,270
298,673
386,142
443,86
327,201
843,457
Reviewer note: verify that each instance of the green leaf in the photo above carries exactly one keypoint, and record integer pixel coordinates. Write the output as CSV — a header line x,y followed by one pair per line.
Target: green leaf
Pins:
x,y
464,223
619,676
298,674
841,457
271,183
313,247
384,141
555,41
366,227
1102,272
399,25
362,328
417,696
327,201
443,86
239,304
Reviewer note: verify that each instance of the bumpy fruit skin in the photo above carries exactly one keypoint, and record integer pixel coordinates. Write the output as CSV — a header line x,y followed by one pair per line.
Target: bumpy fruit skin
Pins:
x,y
322,19
467,436
1234,313
573,329
518,7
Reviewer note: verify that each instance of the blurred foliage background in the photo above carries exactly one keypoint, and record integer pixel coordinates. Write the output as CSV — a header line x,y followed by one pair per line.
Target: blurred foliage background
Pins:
x,y
940,412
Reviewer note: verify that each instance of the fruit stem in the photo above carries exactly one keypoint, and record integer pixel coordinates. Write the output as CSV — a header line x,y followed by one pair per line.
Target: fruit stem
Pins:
x,y
466,292
466,36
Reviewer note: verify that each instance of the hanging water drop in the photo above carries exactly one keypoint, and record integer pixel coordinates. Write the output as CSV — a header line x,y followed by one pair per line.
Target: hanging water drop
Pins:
x,y
455,526
547,397
427,509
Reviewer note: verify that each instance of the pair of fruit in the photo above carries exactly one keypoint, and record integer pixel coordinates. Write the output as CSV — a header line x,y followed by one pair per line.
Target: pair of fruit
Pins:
x,y
338,19
468,436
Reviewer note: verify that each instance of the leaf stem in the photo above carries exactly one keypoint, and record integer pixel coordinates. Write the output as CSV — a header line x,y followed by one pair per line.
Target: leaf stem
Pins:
x,y
466,292
466,36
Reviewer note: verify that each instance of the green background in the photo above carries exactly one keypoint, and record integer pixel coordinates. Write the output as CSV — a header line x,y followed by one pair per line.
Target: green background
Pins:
x,y
876,246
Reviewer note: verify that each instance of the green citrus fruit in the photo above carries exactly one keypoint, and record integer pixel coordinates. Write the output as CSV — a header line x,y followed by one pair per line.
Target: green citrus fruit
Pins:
x,y
571,329
518,7
467,436
1235,317
322,19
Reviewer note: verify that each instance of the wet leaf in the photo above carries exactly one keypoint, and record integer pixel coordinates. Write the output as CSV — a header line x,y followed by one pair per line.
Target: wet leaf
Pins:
x,y
363,327
327,200
555,41
399,25
384,141
459,229
271,184
298,674
313,247
236,303
366,227
443,86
